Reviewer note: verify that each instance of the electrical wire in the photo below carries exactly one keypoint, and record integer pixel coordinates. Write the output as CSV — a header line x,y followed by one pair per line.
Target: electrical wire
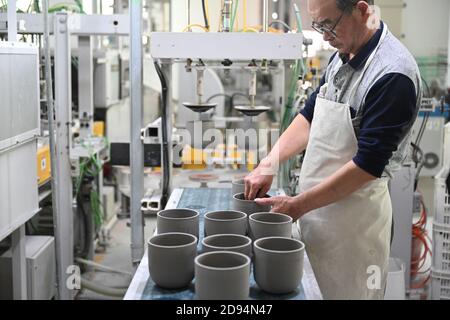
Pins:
x,y
420,234
284,24
233,17
427,87
165,142
205,15
207,10
218,95
250,29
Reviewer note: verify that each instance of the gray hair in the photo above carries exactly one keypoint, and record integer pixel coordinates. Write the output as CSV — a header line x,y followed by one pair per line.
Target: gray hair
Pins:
x,y
347,5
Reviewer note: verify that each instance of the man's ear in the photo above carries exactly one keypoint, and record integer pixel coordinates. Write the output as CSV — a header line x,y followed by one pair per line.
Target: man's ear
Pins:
x,y
363,10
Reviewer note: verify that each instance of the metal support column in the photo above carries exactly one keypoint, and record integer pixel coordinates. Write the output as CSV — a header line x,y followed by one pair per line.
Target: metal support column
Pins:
x,y
136,146
12,21
63,193
265,16
85,86
19,264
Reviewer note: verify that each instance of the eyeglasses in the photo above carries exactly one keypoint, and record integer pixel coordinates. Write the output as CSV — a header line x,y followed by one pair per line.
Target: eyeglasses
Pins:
x,y
324,28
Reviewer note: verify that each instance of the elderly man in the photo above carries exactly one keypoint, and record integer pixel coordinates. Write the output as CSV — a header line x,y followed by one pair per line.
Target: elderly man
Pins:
x,y
356,132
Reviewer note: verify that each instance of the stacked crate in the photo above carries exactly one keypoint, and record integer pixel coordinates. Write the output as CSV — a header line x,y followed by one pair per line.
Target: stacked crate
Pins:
x,y
441,229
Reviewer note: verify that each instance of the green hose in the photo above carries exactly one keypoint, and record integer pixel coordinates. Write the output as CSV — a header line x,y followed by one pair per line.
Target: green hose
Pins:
x,y
233,17
298,72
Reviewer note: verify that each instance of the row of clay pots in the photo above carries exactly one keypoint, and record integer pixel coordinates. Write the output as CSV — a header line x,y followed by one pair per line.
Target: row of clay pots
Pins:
x,y
226,251
224,275
258,225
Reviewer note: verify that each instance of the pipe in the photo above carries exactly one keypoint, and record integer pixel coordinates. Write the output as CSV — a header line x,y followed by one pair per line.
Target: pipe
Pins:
x,y
226,15
189,13
102,267
51,119
136,145
265,16
107,291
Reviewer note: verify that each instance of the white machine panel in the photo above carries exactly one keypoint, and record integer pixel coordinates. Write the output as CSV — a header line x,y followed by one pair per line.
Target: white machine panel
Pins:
x,y
19,94
19,127
233,46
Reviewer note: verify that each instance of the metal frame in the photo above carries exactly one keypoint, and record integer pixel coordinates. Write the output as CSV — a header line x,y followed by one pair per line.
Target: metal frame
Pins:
x,y
79,24
19,264
18,236
169,48
136,145
220,46
12,21
63,26
86,86
63,179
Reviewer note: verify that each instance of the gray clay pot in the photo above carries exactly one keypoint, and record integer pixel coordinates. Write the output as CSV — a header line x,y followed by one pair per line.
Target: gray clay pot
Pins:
x,y
171,259
278,264
178,220
222,275
225,222
248,206
237,186
267,224
228,242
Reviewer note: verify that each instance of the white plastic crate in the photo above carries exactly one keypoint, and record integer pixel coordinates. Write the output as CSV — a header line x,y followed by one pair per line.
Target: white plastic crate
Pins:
x,y
440,285
441,247
442,200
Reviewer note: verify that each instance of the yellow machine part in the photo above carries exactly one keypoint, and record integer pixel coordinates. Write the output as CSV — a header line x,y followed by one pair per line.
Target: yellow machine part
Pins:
x,y
196,159
193,159
43,164
99,128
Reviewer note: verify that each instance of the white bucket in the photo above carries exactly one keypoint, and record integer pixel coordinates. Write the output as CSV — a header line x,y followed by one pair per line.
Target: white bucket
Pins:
x,y
395,287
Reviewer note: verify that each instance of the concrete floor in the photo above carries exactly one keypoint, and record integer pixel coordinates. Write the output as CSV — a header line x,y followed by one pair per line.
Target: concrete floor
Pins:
x,y
118,256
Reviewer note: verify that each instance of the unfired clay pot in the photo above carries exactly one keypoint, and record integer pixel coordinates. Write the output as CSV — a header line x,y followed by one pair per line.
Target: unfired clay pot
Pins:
x,y
278,264
248,206
225,222
171,259
222,275
237,186
267,224
227,242
178,220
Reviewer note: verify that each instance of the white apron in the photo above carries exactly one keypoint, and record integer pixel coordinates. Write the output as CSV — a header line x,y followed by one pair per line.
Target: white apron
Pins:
x,y
348,242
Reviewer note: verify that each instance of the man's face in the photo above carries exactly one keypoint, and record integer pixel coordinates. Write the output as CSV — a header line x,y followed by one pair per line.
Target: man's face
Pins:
x,y
347,30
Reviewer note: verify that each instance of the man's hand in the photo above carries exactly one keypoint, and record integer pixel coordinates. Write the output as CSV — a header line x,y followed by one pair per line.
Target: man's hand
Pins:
x,y
259,181
292,206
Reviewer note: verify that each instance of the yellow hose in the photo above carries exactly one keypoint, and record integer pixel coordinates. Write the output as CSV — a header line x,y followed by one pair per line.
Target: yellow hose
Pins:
x,y
196,26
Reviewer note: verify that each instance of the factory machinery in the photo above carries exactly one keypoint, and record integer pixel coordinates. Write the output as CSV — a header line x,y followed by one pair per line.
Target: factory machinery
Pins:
x,y
240,82
50,228
85,72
